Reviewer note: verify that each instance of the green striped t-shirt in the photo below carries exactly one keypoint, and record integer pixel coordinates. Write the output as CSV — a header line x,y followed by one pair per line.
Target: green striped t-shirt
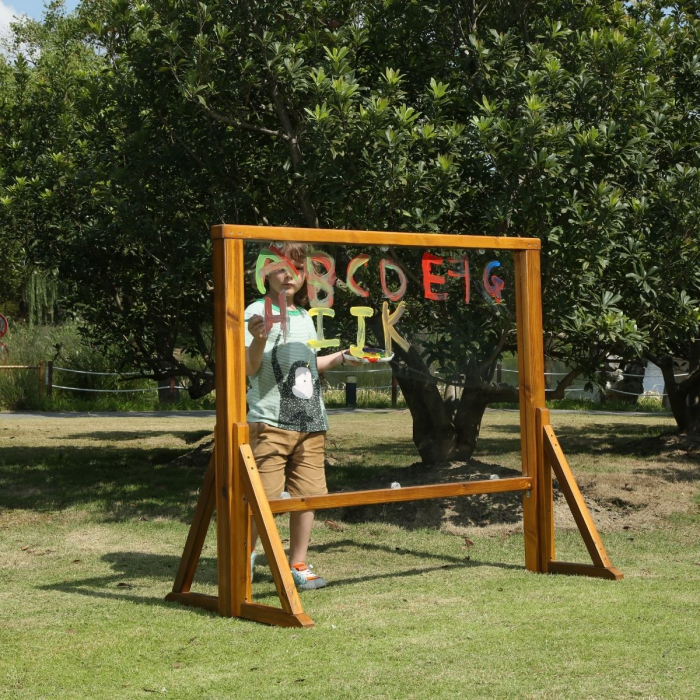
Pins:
x,y
285,392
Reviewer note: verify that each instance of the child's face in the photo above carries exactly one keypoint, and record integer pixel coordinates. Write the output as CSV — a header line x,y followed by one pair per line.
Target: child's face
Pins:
x,y
282,280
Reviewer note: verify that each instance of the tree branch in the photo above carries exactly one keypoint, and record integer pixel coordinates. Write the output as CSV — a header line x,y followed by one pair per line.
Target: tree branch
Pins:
x,y
294,150
244,125
688,385
488,363
564,384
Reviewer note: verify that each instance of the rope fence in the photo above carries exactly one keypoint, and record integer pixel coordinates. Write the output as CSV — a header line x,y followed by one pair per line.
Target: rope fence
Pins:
x,y
351,387
172,387
113,391
654,391
620,374
82,371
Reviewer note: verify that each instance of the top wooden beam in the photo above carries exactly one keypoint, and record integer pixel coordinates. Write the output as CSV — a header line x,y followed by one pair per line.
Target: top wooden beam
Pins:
x,y
342,236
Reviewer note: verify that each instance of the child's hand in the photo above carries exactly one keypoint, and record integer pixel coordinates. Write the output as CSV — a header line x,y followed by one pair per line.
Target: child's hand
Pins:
x,y
256,327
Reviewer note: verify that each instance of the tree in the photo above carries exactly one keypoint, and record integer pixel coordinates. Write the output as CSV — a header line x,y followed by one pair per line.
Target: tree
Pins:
x,y
44,73
576,124
601,163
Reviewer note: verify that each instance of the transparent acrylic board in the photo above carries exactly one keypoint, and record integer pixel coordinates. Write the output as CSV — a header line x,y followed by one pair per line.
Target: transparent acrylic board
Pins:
x,y
443,318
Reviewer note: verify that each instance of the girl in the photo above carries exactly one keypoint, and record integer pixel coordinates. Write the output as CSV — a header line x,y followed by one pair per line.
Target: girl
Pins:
x,y
287,418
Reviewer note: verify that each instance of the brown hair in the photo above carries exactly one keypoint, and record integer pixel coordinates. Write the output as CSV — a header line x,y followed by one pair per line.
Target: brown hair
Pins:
x,y
296,252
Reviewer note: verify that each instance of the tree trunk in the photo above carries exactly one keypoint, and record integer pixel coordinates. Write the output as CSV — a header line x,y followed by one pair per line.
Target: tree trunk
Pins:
x,y
468,422
445,427
683,396
433,430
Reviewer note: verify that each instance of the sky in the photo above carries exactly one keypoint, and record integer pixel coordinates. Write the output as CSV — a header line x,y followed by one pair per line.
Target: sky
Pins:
x,y
33,8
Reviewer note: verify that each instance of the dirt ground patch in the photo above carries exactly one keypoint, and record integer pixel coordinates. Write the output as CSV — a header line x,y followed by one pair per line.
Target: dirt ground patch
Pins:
x,y
639,496
617,501
628,482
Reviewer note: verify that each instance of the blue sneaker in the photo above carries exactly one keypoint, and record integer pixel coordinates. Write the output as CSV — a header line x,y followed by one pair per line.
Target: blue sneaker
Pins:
x,y
305,579
256,559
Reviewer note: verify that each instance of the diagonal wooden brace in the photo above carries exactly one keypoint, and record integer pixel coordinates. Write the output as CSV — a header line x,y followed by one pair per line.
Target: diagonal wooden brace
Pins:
x,y
292,613
602,566
197,533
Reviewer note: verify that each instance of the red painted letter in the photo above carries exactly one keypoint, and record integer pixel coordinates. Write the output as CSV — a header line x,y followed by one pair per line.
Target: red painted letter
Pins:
x,y
271,319
464,273
429,278
279,261
353,266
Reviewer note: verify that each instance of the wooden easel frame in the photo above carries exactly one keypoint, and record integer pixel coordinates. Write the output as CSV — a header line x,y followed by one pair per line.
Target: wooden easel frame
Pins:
x,y
232,483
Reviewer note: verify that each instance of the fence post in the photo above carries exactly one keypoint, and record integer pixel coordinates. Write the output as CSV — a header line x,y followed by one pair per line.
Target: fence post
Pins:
x,y
499,370
394,391
351,391
49,379
172,389
41,377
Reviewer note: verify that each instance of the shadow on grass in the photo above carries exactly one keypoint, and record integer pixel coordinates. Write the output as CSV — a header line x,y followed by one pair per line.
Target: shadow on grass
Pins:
x,y
406,551
388,452
118,482
114,483
129,567
187,436
464,511
510,428
449,562
672,474
604,437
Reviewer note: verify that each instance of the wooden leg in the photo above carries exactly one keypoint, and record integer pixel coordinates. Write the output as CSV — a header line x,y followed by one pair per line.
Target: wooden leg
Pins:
x,y
602,566
193,548
197,534
545,505
531,388
292,613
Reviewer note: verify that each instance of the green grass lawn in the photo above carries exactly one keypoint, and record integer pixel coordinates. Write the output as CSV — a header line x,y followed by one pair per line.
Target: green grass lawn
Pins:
x,y
420,604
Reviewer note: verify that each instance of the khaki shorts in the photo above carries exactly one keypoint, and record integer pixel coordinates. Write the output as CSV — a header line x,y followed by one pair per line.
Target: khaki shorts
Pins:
x,y
285,456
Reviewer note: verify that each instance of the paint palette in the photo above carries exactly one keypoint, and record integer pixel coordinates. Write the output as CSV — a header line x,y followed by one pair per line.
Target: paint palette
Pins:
x,y
370,355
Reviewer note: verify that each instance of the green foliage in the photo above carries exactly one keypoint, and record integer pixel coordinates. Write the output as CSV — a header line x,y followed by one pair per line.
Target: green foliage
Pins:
x,y
575,124
41,293
45,75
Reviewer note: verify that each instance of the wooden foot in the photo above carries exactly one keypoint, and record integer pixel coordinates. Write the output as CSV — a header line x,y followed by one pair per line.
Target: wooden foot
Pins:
x,y
570,569
274,616
249,611
195,600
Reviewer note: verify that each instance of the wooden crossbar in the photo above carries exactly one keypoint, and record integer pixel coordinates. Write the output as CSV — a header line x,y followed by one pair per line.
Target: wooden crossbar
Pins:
x,y
384,238
407,493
